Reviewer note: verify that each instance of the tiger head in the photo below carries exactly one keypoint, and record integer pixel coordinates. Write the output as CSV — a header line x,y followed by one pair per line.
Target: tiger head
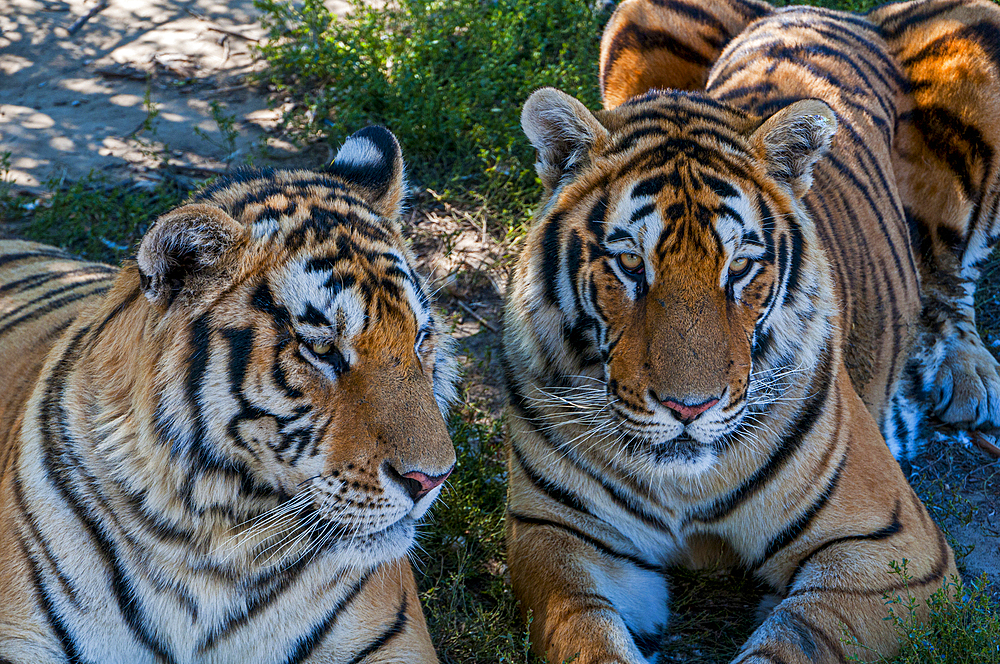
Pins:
x,y
671,276
297,373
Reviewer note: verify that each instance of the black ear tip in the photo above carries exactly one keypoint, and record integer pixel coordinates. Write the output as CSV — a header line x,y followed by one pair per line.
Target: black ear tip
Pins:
x,y
371,143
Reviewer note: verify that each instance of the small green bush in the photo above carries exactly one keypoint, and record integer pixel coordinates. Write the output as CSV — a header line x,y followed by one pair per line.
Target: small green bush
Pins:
x,y
91,218
448,77
961,628
471,611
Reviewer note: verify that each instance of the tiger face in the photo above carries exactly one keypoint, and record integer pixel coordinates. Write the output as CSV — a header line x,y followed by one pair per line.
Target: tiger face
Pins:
x,y
675,229
330,372
221,451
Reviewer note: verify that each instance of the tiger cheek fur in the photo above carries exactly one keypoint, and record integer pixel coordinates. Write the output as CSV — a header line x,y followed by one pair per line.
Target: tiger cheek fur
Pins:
x,y
227,450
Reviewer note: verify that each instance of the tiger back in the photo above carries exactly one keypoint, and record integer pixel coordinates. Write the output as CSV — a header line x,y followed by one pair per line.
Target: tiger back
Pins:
x,y
723,311
219,452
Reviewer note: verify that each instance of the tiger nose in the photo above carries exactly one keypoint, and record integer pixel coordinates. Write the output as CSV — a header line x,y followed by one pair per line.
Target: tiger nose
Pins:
x,y
688,413
418,484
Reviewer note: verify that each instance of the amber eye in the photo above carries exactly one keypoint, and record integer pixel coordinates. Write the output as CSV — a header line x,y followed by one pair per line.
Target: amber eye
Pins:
x,y
630,262
739,267
320,348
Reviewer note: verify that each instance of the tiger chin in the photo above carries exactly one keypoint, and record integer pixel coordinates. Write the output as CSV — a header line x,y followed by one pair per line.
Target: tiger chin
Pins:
x,y
749,272
221,451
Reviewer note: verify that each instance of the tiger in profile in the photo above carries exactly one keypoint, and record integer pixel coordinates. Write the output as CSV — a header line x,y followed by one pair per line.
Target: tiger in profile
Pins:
x,y
219,452
749,272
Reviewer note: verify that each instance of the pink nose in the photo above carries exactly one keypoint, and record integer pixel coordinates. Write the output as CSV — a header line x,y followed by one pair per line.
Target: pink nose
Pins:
x,y
685,413
419,485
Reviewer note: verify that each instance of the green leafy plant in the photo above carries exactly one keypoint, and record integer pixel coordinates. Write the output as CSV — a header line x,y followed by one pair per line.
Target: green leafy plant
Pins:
x,y
447,76
962,625
228,134
97,220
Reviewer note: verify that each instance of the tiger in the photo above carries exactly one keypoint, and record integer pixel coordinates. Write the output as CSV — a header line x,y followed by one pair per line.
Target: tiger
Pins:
x,y
749,272
220,452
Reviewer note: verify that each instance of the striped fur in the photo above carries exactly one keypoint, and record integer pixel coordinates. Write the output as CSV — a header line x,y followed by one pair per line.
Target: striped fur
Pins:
x,y
219,452
750,271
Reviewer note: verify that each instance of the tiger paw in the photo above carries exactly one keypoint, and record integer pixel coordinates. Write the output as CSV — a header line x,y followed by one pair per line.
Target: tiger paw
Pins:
x,y
965,391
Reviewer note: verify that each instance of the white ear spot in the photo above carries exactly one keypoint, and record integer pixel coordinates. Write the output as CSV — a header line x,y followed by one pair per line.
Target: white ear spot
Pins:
x,y
360,151
263,229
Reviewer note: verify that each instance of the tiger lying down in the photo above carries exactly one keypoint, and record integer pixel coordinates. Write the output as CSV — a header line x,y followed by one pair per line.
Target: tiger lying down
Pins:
x,y
731,298
218,453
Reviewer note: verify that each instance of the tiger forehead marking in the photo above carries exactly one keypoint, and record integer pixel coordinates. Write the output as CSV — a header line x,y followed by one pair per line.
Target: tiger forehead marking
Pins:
x,y
241,429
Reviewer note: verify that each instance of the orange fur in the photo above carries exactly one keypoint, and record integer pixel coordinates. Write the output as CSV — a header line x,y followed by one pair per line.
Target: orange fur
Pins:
x,y
223,455
730,300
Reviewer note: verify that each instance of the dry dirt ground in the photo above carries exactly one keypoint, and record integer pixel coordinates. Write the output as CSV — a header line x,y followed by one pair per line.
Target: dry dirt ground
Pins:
x,y
73,79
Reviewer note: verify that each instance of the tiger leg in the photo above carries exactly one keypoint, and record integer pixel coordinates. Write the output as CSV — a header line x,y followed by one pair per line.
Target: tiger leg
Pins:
x,y
947,162
842,588
835,574
651,44
585,603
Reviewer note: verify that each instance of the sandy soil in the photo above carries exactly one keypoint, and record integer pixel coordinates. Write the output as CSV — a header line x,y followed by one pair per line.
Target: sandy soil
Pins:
x,y
74,103
71,104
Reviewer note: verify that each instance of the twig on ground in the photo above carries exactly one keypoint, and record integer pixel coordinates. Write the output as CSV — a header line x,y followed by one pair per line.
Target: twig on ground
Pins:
x,y
233,33
984,444
482,321
202,17
78,23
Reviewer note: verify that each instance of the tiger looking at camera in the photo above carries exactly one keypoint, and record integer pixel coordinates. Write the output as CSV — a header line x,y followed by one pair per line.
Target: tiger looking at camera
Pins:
x,y
750,271
219,452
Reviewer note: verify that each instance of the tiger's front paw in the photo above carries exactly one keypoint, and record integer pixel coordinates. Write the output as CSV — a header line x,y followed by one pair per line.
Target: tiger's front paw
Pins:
x,y
965,392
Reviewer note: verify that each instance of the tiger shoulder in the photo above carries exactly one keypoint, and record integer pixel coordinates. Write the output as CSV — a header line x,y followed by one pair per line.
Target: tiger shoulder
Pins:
x,y
219,452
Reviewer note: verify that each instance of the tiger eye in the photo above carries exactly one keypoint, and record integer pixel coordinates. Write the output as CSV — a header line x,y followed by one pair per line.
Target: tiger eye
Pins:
x,y
739,266
630,262
320,348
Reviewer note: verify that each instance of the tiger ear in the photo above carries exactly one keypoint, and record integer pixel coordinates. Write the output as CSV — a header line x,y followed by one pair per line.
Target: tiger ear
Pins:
x,y
562,131
792,140
183,245
372,160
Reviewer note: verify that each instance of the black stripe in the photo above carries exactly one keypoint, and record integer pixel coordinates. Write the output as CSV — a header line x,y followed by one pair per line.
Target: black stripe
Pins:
x,y
52,306
117,311
306,644
20,256
261,593
935,575
882,533
550,256
597,544
386,636
51,614
46,295
60,463
626,503
914,17
65,583
960,145
36,280
638,38
797,432
792,531
547,486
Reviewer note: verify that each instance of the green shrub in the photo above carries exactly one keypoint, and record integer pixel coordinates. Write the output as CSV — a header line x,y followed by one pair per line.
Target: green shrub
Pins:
x,y
92,218
961,628
448,77
471,611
